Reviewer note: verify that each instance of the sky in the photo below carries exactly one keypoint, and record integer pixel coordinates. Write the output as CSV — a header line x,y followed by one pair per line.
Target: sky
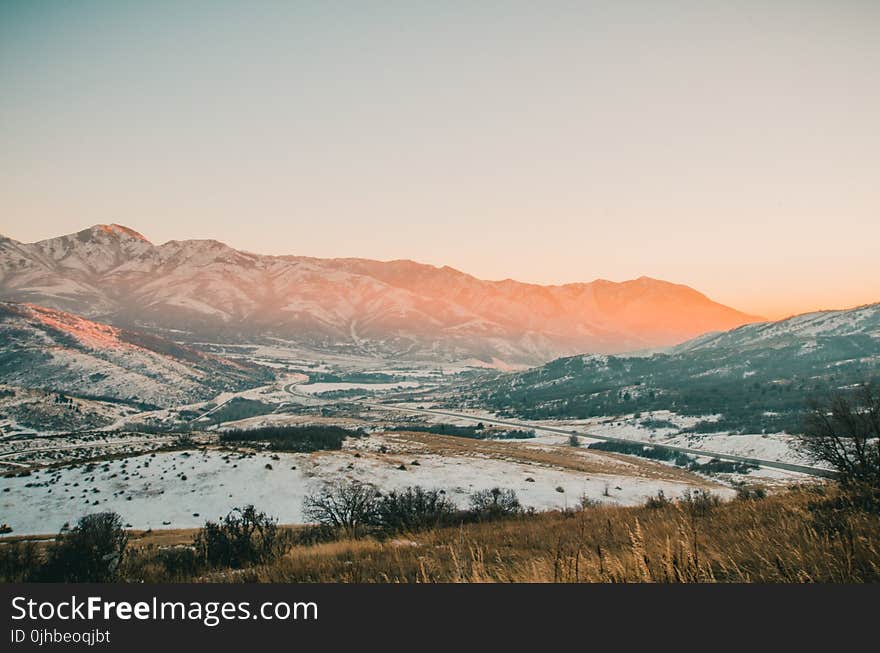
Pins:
x,y
733,146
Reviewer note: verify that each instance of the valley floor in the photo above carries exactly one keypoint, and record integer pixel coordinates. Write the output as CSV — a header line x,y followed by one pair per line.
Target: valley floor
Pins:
x,y
598,516
134,465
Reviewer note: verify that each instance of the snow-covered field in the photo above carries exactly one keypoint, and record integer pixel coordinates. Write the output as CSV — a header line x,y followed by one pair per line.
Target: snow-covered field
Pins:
x,y
317,388
183,489
779,447
767,446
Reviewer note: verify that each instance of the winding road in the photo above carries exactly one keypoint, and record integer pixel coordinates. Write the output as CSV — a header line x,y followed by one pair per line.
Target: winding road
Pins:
x,y
760,462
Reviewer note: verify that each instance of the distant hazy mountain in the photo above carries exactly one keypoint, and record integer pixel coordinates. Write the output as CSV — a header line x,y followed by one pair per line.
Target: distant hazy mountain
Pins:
x,y
212,291
759,376
50,349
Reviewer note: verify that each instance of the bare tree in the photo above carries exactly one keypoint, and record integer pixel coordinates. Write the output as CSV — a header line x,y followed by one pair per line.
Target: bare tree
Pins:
x,y
90,552
844,434
346,505
495,502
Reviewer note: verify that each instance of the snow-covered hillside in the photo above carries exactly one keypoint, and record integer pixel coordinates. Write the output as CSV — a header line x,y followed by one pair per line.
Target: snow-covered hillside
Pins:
x,y
805,328
760,377
183,489
46,348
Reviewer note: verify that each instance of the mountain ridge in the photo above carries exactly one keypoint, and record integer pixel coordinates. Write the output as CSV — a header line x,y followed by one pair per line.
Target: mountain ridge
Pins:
x,y
212,290
757,377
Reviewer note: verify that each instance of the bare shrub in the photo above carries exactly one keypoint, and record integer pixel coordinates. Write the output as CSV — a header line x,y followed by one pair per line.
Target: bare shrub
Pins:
x,y
348,506
699,502
493,503
413,508
245,536
90,552
750,493
658,501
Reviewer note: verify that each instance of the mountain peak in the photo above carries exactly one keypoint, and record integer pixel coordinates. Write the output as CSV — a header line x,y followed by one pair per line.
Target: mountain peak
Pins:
x,y
653,282
116,230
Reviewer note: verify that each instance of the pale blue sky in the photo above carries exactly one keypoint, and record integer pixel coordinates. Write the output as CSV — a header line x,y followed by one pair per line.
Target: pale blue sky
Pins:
x,y
733,146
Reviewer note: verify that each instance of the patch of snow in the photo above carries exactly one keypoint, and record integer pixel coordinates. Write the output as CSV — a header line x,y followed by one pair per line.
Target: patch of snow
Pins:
x,y
157,495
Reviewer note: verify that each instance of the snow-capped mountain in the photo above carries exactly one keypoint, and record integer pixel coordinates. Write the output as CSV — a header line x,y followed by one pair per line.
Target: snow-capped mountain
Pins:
x,y
211,290
51,349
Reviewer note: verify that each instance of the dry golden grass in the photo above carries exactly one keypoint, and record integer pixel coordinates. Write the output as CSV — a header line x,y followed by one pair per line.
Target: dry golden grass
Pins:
x,y
589,461
783,538
164,537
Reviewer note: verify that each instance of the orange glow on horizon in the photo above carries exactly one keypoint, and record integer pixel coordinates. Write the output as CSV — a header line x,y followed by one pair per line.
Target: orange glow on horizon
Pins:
x,y
550,144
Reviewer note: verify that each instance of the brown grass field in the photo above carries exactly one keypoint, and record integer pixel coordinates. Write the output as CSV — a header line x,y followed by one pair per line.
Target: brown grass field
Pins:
x,y
793,537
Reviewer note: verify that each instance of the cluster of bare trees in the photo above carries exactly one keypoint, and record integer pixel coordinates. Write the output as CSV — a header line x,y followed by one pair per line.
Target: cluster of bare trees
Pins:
x,y
358,508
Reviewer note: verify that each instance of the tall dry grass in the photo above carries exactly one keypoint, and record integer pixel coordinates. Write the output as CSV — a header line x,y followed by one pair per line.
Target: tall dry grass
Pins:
x,y
798,536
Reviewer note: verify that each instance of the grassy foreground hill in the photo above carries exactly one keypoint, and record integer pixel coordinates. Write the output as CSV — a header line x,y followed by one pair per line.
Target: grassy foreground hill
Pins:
x,y
806,534
794,537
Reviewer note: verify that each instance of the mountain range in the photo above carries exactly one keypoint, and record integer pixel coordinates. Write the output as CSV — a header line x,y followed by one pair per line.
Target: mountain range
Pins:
x,y
754,378
206,290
